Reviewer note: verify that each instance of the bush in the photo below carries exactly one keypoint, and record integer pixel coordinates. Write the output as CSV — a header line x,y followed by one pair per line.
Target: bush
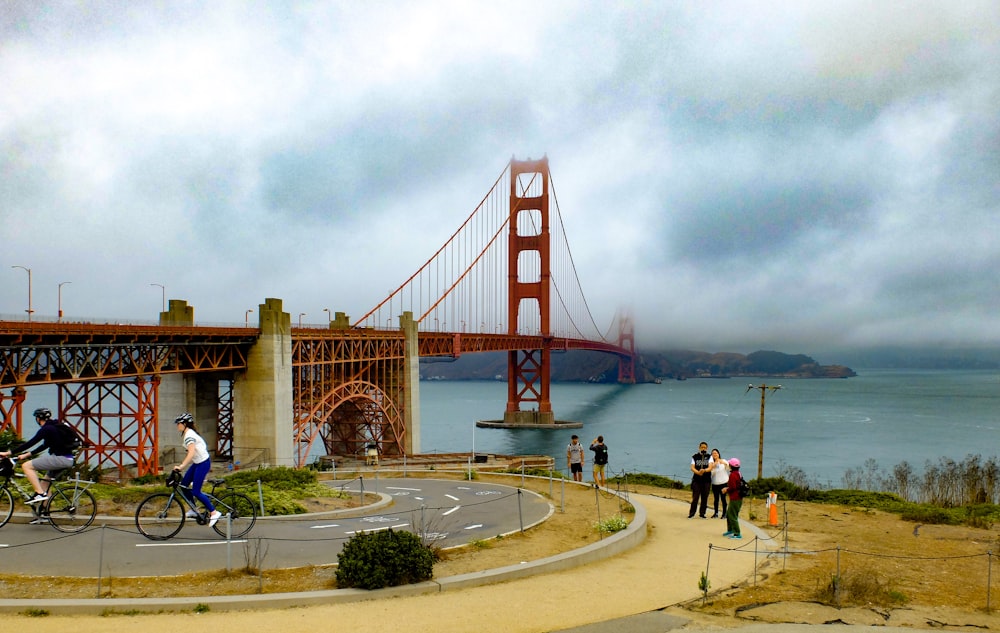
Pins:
x,y
647,479
372,560
278,478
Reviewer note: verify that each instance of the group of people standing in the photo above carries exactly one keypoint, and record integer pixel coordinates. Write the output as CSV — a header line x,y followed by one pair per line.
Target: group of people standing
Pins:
x,y
710,472
575,459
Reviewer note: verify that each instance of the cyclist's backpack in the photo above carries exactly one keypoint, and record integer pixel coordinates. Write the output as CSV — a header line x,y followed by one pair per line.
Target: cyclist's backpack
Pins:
x,y
70,438
744,488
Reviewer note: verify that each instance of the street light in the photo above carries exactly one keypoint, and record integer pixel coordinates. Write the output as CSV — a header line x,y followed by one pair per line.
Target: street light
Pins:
x,y
301,314
61,284
247,316
328,317
163,291
29,310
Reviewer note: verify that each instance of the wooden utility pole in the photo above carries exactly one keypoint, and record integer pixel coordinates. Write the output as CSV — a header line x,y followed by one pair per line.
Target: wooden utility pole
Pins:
x,y
760,447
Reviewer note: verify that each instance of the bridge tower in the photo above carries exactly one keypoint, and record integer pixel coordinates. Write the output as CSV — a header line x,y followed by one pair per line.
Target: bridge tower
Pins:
x,y
626,340
529,249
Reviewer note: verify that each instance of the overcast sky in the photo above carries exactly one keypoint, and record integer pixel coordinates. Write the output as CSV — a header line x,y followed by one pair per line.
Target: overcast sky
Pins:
x,y
743,175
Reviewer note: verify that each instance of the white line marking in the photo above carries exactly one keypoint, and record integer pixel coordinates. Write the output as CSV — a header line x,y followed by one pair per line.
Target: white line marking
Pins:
x,y
472,527
389,527
323,527
463,487
187,544
444,514
453,498
398,488
4,545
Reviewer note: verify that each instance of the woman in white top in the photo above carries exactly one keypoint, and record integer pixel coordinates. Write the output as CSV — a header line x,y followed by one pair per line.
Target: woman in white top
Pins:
x,y
720,477
197,456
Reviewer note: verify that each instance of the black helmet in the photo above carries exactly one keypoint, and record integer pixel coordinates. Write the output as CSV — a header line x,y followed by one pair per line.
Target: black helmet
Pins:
x,y
185,418
43,413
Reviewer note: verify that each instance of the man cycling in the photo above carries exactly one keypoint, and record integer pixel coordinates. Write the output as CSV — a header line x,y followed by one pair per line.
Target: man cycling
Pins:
x,y
60,456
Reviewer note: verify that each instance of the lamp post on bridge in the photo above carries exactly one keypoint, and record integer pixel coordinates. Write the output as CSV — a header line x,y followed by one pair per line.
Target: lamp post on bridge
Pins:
x,y
59,297
163,293
246,317
28,270
301,314
328,316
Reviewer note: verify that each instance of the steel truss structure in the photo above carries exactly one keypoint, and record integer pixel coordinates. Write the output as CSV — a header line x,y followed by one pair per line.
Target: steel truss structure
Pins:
x,y
348,392
119,418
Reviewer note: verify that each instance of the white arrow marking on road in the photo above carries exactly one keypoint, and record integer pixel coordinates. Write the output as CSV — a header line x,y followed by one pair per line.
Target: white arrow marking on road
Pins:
x,y
444,514
472,527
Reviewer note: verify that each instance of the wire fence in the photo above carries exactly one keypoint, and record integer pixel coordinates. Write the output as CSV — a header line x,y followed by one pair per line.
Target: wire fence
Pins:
x,y
963,577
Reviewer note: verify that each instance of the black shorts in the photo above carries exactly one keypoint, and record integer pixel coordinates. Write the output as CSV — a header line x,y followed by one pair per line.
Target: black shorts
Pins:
x,y
576,468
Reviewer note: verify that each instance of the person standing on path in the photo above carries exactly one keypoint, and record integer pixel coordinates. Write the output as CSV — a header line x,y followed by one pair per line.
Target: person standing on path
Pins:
x,y
720,477
574,458
701,481
600,461
735,500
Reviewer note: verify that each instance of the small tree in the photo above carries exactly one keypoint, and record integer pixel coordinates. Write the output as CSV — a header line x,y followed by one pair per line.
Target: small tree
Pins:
x,y
372,560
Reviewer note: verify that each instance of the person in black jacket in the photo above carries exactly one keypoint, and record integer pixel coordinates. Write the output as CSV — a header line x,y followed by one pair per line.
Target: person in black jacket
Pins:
x,y
60,456
600,461
701,480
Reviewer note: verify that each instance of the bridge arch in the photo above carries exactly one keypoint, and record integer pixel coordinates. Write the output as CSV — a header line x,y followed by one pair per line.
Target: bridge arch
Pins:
x,y
348,417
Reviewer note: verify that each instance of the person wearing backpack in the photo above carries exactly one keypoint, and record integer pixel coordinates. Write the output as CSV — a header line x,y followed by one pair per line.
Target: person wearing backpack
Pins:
x,y
53,439
733,491
600,461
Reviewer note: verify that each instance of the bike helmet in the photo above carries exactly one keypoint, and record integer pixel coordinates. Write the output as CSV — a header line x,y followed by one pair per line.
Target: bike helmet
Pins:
x,y
43,413
185,418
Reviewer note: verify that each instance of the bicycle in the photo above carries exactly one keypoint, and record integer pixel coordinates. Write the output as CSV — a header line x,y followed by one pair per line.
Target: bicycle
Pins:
x,y
161,515
71,507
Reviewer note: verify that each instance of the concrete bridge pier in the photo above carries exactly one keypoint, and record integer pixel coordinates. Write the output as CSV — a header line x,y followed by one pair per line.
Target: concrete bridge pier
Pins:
x,y
263,427
197,394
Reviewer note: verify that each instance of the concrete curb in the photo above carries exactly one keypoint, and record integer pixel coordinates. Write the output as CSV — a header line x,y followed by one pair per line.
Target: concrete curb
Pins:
x,y
606,548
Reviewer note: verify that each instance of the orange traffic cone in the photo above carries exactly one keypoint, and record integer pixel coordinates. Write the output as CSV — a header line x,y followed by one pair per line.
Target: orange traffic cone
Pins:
x,y
772,509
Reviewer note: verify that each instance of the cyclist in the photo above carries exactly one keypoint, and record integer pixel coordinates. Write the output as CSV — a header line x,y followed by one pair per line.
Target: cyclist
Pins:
x,y
60,455
197,456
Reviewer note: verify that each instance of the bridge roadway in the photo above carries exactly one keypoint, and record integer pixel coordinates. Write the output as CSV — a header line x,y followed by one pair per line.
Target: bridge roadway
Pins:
x,y
451,512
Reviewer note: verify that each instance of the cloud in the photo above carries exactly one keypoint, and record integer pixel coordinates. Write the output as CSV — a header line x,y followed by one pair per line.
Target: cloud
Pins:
x,y
741,175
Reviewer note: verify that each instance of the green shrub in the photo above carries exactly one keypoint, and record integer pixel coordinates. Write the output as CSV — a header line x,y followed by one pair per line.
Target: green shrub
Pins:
x,y
278,478
8,438
647,479
372,560
615,523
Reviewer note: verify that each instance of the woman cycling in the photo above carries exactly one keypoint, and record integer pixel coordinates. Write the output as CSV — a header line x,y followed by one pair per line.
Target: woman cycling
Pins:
x,y
197,456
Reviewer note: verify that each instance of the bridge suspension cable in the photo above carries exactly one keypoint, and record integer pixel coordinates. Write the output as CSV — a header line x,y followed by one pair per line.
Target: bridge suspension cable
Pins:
x,y
463,286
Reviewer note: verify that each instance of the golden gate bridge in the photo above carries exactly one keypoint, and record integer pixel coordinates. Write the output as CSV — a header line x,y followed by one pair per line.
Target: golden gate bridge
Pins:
x,y
505,281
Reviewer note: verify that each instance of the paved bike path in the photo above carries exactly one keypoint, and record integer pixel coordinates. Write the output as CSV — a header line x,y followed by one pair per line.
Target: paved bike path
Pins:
x,y
446,512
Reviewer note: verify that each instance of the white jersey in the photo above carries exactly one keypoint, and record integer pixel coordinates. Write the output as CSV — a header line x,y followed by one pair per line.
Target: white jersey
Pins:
x,y
575,452
200,448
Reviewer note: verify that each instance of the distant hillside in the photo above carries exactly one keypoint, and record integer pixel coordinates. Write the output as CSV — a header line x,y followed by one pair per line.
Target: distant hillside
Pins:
x,y
579,366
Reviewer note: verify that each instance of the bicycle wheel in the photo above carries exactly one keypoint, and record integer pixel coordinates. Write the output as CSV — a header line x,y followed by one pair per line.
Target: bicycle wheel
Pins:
x,y
6,506
159,516
243,514
71,508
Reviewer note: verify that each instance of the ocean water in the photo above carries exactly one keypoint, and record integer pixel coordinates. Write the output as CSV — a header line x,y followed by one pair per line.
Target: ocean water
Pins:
x,y
821,426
